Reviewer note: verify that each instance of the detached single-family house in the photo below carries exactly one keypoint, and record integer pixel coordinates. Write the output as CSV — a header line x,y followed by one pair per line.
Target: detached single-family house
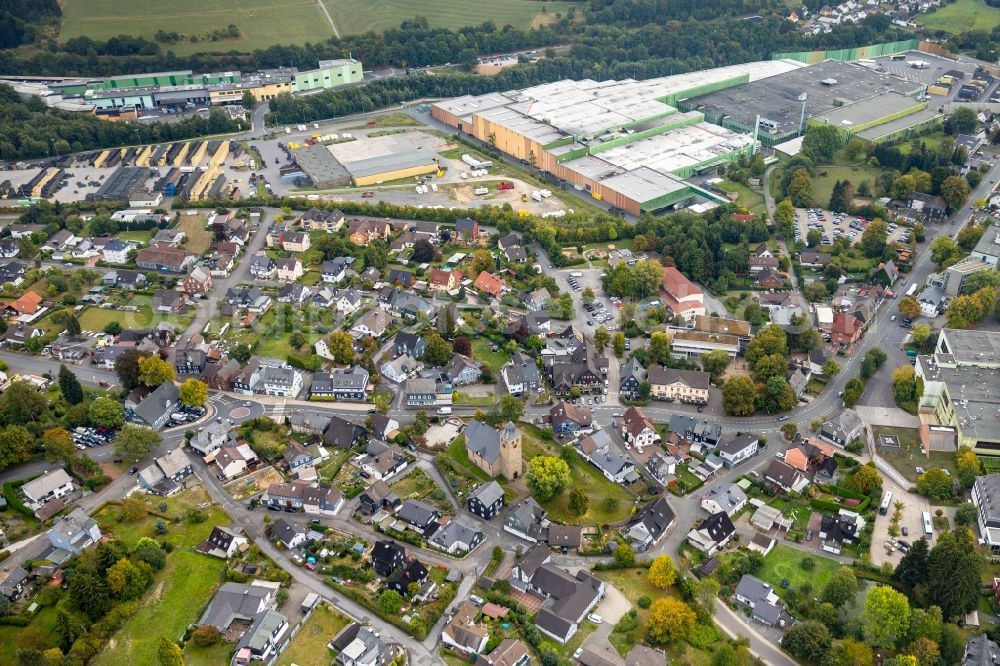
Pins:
x,y
650,524
457,539
486,500
463,633
223,543
525,521
725,497
713,534
638,429
738,449
765,606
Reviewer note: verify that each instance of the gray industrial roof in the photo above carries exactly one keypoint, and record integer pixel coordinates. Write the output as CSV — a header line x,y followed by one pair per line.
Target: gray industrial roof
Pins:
x,y
323,169
373,166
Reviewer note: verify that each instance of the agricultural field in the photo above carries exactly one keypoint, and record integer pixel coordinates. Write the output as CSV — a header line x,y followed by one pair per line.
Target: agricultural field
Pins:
x,y
299,21
359,16
962,16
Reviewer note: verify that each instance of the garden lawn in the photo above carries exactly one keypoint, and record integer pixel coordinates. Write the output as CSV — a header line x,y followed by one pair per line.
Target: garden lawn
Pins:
x,y
582,475
784,563
417,485
309,645
177,597
962,16
197,238
910,454
826,176
208,656
41,632
95,319
494,360
751,200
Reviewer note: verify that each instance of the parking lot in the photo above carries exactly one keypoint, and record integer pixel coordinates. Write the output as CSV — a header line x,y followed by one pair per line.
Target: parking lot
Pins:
x,y
834,226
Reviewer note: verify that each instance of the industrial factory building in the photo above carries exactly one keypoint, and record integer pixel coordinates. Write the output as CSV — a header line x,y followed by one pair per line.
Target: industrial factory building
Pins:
x,y
624,142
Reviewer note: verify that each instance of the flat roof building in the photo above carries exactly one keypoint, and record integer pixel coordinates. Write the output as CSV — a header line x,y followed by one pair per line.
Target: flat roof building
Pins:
x,y
391,167
322,168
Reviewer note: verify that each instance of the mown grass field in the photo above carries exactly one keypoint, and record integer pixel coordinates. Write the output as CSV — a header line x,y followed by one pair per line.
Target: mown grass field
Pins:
x,y
961,16
309,645
359,16
262,23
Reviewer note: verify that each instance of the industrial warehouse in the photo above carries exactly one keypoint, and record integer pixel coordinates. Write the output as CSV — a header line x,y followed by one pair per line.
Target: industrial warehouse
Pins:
x,y
183,89
633,143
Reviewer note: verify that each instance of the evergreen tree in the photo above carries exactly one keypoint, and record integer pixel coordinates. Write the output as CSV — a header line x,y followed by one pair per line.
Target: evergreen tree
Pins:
x,y
912,569
70,386
953,569
73,326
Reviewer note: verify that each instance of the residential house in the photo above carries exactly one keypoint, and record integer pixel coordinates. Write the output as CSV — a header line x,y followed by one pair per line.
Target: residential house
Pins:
x,y
615,467
348,301
296,294
738,449
377,497
510,652
457,539
287,534
490,284
462,633
399,369
362,231
769,278
815,260
295,241
728,498
647,527
568,418
681,296
329,221
165,476
785,477
843,428
13,272
289,269
526,520
27,305
155,409
409,344
520,375
413,572
765,606
441,280
537,300
168,301
486,500
461,371
313,498
342,433
223,543
362,645
689,386
124,279
13,585
631,376
219,376
466,230
404,304
251,299
387,556
373,323
382,461
566,599
401,279
211,438
74,532
198,281
310,424
351,383
335,270
638,429
231,461
835,531
419,516
18,334
117,251
846,329
384,427
713,534
296,456
164,259
980,651
420,392
263,267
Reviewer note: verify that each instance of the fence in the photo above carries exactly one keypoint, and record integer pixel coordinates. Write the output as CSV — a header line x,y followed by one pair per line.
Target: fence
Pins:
x,y
846,55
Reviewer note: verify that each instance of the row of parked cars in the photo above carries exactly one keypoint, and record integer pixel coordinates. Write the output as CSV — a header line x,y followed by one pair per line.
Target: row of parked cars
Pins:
x,y
90,437
598,312
185,415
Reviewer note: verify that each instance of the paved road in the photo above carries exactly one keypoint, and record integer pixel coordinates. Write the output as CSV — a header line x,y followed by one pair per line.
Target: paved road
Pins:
x,y
734,626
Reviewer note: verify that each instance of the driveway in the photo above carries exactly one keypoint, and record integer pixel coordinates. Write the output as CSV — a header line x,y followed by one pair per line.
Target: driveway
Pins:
x,y
611,608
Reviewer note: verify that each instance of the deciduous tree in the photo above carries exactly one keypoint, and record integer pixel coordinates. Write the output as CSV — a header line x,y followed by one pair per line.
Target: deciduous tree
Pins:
x,y
886,616
662,572
154,371
438,351
134,442
16,445
169,653
873,238
106,412
58,445
547,476
908,307
193,393
341,346
579,501
669,621
715,362
807,640
841,588
738,396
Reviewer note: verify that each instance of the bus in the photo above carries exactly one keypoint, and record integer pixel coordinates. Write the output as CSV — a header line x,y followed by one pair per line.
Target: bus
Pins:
x,y
912,290
928,529
884,506
900,56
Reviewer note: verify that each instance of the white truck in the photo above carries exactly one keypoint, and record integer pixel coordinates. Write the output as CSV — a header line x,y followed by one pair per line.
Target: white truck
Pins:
x,y
444,411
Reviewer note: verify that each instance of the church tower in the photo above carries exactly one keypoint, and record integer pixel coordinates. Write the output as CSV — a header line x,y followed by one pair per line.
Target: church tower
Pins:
x,y
510,452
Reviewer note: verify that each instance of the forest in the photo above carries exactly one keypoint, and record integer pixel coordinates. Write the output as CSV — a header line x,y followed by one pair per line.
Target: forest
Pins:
x,y
30,129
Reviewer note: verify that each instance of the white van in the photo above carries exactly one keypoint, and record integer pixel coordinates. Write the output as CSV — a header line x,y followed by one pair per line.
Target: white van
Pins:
x,y
444,411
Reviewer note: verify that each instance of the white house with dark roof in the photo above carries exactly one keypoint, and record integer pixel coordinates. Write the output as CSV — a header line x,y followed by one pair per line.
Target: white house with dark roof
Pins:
x,y
526,520
739,448
650,524
765,606
713,534
726,497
